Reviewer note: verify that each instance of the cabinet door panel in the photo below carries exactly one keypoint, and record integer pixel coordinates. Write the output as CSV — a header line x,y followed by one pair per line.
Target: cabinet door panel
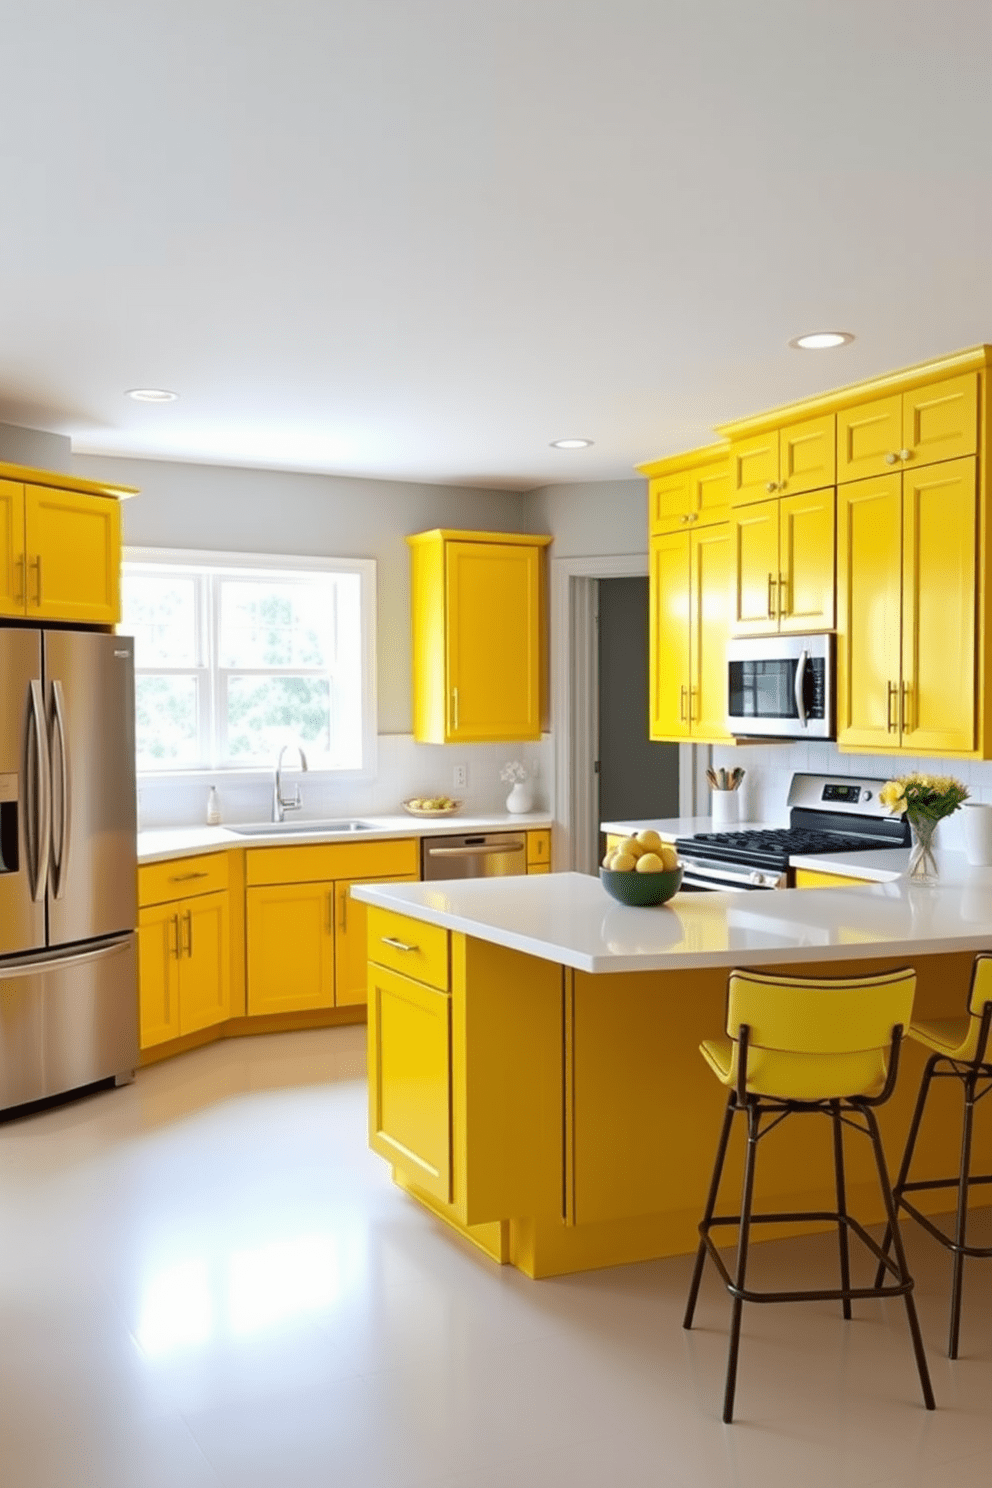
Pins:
x,y
869,612
205,971
158,974
807,547
710,589
939,581
754,533
671,501
754,467
941,422
290,932
73,545
493,655
866,434
12,558
668,637
410,1078
351,941
808,455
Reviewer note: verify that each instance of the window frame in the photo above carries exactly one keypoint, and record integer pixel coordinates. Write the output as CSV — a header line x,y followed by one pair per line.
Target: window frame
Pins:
x,y
209,673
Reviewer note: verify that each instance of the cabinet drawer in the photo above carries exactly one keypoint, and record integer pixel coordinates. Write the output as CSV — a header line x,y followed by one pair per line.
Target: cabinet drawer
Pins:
x,y
410,946
180,878
321,861
813,878
538,847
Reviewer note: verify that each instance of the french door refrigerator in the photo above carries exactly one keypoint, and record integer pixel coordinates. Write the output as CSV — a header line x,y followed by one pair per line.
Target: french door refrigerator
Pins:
x,y
68,891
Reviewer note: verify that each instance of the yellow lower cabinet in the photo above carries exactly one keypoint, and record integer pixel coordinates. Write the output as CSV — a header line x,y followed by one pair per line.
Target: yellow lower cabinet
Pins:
x,y
204,963
184,959
158,973
812,878
290,930
410,1078
538,852
351,941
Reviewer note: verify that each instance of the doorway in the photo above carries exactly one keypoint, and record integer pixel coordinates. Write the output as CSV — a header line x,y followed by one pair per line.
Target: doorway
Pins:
x,y
638,778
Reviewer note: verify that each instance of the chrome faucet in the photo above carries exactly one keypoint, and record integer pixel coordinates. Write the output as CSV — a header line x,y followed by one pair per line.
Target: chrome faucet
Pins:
x,y
281,803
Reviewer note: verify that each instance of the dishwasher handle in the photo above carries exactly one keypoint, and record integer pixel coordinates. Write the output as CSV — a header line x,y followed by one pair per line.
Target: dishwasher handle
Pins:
x,y
475,852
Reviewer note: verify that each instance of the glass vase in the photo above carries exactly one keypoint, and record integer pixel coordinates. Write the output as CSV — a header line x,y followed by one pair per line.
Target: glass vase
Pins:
x,y
922,863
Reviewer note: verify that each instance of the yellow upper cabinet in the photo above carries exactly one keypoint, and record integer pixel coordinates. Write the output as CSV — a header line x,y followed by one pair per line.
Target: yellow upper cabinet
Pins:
x,y
784,461
939,421
688,490
907,602
783,564
689,585
478,636
60,549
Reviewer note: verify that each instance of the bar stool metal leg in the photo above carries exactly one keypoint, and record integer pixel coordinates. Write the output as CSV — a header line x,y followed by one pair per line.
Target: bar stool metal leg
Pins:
x,y
961,1220
907,1157
845,1260
721,1153
900,1261
747,1196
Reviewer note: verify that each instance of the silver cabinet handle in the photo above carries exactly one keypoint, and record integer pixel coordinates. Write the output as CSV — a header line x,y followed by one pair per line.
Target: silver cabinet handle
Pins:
x,y
474,852
185,877
21,568
891,457
60,835
188,922
771,485
36,565
397,945
174,946
892,724
798,693
905,454
344,910
454,709
39,812
771,601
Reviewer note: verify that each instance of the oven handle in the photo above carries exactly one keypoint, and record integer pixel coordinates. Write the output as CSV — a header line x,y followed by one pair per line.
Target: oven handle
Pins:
x,y
798,690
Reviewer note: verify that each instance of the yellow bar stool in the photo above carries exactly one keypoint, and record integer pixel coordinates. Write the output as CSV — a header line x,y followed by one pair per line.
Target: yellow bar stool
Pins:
x,y
960,1051
822,1047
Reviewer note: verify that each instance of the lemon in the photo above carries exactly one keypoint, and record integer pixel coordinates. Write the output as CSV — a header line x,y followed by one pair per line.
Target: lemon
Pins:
x,y
630,846
650,862
649,840
669,857
623,862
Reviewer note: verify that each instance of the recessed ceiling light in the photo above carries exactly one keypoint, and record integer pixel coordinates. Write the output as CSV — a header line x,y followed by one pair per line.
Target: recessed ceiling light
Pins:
x,y
152,395
821,340
570,443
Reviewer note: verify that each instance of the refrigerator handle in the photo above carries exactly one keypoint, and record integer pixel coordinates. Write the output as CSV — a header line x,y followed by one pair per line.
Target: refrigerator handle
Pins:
x,y
61,817
39,812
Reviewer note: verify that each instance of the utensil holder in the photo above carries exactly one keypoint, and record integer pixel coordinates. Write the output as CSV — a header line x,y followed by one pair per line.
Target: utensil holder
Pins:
x,y
978,833
724,808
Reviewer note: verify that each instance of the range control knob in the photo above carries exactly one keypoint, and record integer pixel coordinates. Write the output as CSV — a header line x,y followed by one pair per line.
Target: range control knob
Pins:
x,y
758,879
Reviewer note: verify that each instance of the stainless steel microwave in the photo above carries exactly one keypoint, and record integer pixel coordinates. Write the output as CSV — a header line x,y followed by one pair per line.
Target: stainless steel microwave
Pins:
x,y
781,687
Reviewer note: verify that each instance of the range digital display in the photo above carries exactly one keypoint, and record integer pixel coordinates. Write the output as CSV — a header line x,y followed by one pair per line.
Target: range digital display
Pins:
x,y
848,793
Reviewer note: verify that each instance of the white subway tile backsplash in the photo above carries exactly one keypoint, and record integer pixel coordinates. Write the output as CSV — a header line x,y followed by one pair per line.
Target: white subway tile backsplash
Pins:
x,y
405,769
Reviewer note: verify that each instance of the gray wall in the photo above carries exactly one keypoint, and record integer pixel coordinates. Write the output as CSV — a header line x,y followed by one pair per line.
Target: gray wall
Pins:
x,y
36,447
264,511
591,520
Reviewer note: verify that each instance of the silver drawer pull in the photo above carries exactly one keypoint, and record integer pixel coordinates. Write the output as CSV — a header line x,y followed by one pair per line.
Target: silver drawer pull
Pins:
x,y
185,877
398,945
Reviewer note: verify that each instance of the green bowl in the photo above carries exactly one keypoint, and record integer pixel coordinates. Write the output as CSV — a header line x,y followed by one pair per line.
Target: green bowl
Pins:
x,y
641,888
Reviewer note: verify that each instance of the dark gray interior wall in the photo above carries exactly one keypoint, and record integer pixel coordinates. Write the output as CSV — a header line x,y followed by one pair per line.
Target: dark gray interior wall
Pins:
x,y
637,778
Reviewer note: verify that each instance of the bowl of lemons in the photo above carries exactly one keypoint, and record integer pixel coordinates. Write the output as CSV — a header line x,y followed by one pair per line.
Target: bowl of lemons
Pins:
x,y
641,870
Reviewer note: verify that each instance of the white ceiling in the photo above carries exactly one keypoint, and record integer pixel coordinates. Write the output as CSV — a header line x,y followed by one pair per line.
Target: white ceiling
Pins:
x,y
423,238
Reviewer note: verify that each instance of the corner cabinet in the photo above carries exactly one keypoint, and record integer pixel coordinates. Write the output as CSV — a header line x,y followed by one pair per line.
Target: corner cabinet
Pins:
x,y
478,636
60,549
689,587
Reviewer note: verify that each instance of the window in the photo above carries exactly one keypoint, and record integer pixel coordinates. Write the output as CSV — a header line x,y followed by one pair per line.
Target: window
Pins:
x,y
237,655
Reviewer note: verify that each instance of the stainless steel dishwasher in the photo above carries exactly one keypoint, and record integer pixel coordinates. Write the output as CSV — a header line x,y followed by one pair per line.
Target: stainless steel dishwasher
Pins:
x,y
476,855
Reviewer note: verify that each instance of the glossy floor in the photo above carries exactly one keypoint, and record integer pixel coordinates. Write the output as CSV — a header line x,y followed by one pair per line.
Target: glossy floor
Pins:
x,y
207,1279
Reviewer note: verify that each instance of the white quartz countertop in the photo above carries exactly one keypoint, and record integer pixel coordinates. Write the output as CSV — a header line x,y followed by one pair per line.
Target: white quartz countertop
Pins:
x,y
175,842
569,918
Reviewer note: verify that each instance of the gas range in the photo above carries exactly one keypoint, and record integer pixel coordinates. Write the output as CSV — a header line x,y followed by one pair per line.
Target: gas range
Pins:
x,y
827,814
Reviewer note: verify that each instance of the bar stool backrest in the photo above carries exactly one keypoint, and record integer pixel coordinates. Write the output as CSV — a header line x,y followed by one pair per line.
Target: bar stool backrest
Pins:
x,y
980,994
817,1039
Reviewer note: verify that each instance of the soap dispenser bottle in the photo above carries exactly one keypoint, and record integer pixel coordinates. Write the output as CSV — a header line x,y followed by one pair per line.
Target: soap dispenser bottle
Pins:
x,y
213,808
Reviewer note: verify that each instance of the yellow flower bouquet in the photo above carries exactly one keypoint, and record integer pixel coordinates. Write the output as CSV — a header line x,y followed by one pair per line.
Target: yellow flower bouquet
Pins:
x,y
925,799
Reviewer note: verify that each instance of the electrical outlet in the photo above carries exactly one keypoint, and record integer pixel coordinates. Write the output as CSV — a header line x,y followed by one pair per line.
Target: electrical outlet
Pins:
x,y
460,778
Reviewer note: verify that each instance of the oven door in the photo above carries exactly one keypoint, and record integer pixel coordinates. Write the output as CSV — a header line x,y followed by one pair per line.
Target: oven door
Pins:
x,y
781,687
716,875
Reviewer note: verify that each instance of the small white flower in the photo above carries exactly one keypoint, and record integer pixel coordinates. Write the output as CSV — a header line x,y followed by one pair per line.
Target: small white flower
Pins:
x,y
512,772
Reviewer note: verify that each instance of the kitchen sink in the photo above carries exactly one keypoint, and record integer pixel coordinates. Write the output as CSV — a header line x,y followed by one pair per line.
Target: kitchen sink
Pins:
x,y
300,828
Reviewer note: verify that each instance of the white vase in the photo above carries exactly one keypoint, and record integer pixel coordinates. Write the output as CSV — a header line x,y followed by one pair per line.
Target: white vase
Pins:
x,y
521,797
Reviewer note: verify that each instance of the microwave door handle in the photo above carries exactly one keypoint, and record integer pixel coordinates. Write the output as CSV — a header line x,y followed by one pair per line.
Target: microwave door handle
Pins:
x,y
798,690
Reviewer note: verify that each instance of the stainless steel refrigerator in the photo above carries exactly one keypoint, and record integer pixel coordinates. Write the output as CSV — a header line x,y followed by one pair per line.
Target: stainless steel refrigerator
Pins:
x,y
68,891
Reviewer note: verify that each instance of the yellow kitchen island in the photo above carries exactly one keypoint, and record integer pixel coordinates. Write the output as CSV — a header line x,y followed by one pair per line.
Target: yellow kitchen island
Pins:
x,y
534,1075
